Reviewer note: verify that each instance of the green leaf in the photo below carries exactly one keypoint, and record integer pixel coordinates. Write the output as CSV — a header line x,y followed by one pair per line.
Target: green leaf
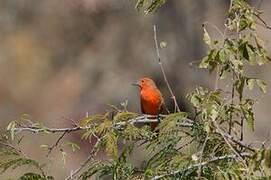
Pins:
x,y
267,158
248,114
208,127
111,141
239,85
206,37
163,44
262,85
251,54
15,162
149,5
155,4
170,123
104,127
97,117
204,63
250,83
214,113
32,176
64,156
195,100
44,146
73,145
243,50
223,56
11,127
124,116
94,168
140,4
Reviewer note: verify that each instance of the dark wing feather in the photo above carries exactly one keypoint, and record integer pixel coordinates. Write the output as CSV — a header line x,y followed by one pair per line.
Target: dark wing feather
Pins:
x,y
141,106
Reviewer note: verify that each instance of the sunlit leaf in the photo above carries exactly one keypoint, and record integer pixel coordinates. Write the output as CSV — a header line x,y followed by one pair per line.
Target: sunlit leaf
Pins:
x,y
262,85
73,145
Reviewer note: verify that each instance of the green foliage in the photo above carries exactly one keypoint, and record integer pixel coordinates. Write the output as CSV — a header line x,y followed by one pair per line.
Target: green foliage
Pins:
x,y
74,146
230,56
34,176
149,5
12,158
120,168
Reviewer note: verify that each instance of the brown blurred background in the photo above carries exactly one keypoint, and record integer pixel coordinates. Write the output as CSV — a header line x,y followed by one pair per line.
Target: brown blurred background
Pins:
x,y
62,58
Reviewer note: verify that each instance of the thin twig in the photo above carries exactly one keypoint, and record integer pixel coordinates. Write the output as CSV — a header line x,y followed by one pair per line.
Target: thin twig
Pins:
x,y
90,157
217,79
229,144
12,147
186,144
163,70
201,155
242,129
240,143
174,173
261,19
231,3
50,149
232,103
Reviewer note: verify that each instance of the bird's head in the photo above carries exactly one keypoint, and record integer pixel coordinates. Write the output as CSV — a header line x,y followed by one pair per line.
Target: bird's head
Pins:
x,y
145,83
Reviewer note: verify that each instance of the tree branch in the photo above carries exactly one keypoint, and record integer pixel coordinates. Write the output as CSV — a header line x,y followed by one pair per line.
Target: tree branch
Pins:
x,y
163,70
138,120
90,157
50,149
263,21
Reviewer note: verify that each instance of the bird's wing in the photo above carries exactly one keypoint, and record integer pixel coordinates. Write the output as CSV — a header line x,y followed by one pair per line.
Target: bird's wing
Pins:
x,y
142,108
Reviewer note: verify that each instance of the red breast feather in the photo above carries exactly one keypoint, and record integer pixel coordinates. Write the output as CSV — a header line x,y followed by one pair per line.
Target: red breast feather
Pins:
x,y
151,99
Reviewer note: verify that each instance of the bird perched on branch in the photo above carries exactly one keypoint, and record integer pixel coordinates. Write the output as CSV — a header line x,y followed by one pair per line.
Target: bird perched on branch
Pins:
x,y
151,99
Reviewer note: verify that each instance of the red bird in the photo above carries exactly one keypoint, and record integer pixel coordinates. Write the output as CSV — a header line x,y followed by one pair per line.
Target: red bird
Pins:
x,y
152,101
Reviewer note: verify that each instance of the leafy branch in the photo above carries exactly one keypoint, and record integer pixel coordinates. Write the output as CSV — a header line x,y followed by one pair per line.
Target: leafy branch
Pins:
x,y
232,156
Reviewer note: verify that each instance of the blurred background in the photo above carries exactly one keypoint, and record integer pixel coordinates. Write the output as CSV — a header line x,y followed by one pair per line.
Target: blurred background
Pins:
x,y
61,59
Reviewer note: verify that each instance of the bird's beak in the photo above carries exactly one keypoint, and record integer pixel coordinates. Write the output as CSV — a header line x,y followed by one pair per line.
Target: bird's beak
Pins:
x,y
136,84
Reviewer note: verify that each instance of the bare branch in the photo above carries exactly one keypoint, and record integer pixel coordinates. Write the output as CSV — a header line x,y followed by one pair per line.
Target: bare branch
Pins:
x,y
90,157
50,149
163,70
232,103
263,21
240,143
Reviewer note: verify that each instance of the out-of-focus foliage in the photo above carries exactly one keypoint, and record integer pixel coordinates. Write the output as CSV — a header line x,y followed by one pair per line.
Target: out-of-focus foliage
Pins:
x,y
149,5
205,145
11,158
